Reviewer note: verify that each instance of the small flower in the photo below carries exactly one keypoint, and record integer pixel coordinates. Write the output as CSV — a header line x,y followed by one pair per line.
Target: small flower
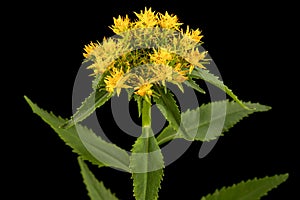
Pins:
x,y
112,80
89,49
171,61
121,24
193,34
105,55
147,19
144,90
161,56
195,57
169,21
178,69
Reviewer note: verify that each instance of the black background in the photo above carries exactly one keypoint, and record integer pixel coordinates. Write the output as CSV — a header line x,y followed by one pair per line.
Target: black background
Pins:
x,y
248,42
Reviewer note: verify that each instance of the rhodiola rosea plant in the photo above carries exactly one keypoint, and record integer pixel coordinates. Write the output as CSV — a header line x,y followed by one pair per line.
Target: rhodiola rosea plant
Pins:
x,y
145,57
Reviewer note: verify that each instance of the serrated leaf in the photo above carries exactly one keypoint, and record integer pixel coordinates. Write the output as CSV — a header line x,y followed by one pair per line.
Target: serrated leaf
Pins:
x,y
194,85
146,163
200,124
138,100
96,190
168,107
214,80
130,93
69,136
96,99
167,134
95,82
250,190
211,116
85,142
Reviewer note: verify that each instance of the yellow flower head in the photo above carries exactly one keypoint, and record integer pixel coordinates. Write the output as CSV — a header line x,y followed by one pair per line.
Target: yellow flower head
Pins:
x,y
193,34
169,21
180,75
121,24
161,56
147,19
89,49
195,57
178,69
144,90
112,80
140,69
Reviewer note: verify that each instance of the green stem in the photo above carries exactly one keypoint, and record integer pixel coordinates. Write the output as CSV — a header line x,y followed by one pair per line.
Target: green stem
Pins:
x,y
146,114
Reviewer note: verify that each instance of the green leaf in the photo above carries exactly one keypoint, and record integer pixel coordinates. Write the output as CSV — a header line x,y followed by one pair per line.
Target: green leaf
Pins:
x,y
96,189
130,93
138,100
194,85
167,134
250,190
168,107
146,162
214,80
204,122
69,136
85,142
96,99
95,82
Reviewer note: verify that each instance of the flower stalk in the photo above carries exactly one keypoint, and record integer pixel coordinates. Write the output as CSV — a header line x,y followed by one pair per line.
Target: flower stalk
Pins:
x,y
146,113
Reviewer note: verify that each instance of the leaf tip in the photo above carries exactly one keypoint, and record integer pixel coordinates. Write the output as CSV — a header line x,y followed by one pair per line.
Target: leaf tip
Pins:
x,y
285,176
27,99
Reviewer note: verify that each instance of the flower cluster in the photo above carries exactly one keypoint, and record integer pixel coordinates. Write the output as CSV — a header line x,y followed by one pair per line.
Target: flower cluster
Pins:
x,y
147,52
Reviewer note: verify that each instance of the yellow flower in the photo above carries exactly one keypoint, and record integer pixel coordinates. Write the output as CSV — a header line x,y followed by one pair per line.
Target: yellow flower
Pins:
x,y
181,74
193,34
161,56
195,57
147,19
89,49
112,80
143,68
120,24
144,90
169,21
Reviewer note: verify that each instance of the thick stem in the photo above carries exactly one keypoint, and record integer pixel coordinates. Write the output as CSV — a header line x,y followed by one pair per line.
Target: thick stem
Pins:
x,y
146,114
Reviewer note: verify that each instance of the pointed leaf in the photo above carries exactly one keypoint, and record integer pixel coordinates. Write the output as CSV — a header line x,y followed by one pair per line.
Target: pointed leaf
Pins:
x,y
168,107
146,161
211,116
214,80
95,82
194,85
167,134
85,142
138,100
96,99
197,122
250,190
96,189
69,136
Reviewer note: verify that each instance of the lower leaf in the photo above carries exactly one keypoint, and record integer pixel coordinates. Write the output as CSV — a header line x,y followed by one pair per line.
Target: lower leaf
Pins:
x,y
249,190
146,164
85,142
146,161
96,189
